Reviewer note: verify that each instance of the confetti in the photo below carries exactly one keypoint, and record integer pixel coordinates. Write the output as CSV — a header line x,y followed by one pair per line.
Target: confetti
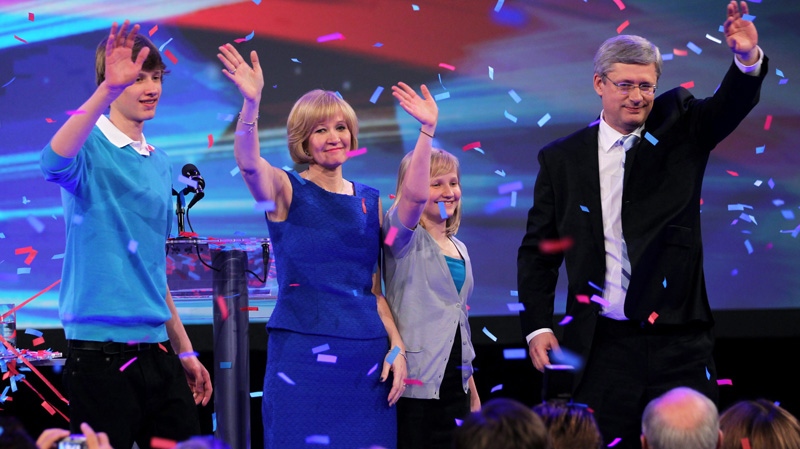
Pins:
x,y
49,120
679,52
127,364
235,171
746,443
188,181
412,381
622,26
497,387
509,187
184,355
161,48
326,358
296,60
555,246
514,293
223,307
286,379
441,96
620,5
390,236
498,5
768,123
29,251
509,116
318,439
489,334
471,145
76,112
667,57
515,306
688,85
565,321
600,300
246,38
442,210
133,245
748,17
320,348
225,365
713,39
20,39
652,318
372,370
377,45
545,118
615,442
502,173
514,199
162,443
651,138
491,69
30,16
331,37
153,30
210,140
731,172
376,94
514,96
357,152
256,394
693,47
392,355
724,382
414,7
779,72
749,246
583,299
170,56
514,354
11,81
265,206
760,150
584,208
447,66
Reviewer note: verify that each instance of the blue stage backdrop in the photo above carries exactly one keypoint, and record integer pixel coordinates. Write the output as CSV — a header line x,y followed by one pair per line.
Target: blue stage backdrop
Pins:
x,y
509,76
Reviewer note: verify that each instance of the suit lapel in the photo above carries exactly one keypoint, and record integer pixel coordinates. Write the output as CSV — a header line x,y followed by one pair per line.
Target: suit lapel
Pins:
x,y
590,171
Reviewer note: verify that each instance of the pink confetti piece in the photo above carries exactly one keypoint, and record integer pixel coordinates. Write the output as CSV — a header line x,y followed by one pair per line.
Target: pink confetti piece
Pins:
x,y
688,85
331,37
364,205
170,56
652,318
471,146
162,443
567,319
732,173
30,16
76,112
724,382
679,52
210,140
48,407
390,236
600,300
326,358
49,120
622,26
127,364
246,38
357,152
620,5
153,30
20,39
615,442
447,66
412,381
768,123
223,307
583,299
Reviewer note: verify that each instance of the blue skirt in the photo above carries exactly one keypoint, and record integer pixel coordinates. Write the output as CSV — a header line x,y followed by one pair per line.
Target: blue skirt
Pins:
x,y
312,403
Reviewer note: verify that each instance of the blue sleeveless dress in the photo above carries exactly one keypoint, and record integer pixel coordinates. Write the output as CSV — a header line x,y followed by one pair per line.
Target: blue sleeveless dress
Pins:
x,y
326,341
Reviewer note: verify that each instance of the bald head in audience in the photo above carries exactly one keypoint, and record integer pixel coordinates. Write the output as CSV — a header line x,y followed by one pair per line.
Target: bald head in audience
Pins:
x,y
681,418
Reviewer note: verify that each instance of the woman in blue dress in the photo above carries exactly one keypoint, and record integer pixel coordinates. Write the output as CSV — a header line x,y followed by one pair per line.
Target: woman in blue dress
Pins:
x,y
331,347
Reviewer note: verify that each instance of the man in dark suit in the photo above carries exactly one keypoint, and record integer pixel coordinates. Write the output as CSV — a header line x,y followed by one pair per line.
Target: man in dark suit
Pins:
x,y
641,320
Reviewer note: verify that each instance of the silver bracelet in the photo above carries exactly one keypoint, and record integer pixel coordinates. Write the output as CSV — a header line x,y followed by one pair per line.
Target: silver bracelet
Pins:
x,y
250,124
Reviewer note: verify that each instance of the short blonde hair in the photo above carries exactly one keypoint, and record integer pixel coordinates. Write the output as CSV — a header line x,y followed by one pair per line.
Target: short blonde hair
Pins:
x,y
308,111
441,162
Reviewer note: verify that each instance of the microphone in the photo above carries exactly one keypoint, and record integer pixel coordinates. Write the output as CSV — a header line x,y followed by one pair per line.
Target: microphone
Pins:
x,y
191,172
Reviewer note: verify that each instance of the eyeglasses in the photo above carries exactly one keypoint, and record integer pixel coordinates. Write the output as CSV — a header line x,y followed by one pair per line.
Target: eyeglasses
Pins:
x,y
626,88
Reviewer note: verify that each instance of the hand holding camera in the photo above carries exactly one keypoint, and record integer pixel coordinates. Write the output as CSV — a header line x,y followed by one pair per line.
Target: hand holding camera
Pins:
x,y
61,439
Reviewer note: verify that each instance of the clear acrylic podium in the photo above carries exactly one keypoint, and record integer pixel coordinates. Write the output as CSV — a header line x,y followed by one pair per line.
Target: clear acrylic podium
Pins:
x,y
219,278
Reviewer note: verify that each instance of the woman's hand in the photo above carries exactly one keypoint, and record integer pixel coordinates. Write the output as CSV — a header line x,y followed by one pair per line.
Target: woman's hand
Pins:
x,y
249,79
422,108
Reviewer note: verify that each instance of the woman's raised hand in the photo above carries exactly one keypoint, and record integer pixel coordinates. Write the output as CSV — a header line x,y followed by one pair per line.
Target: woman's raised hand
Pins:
x,y
423,108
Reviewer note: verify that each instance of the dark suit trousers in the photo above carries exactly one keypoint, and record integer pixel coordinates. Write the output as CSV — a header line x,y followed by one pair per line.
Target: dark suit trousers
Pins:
x,y
631,363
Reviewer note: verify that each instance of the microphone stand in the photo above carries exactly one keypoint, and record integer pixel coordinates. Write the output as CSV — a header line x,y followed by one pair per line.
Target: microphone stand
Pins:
x,y
180,211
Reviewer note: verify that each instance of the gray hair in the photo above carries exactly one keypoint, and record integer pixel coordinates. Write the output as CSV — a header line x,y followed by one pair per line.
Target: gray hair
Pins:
x,y
626,49
681,418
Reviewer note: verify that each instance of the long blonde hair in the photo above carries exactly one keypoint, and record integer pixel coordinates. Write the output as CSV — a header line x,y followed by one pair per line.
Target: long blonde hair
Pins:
x,y
441,162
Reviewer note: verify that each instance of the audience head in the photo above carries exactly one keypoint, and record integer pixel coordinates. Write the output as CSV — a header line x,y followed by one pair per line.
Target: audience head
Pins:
x,y
763,423
626,49
505,423
308,112
442,163
570,425
13,435
681,418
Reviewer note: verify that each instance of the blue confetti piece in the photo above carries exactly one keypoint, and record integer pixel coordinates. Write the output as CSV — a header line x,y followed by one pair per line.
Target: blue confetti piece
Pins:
x,y
651,138
667,57
37,224
320,348
693,47
760,149
489,334
748,17
33,332
214,421
664,283
787,214
514,198
509,116
778,202
777,72
708,375
515,354
392,355
440,81
256,394
595,286
441,96
225,365
442,210
9,82
414,7
24,270
734,272
514,293
509,187
161,48
318,439
250,36
235,171
265,206
376,94
378,44
515,306
193,275
498,6
372,370
296,60
491,73
514,96
543,120
749,246
286,379
721,29
497,387
584,208
459,422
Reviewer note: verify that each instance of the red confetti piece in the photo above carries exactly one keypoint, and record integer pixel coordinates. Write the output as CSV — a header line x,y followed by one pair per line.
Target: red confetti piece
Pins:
x,y
210,140
364,205
724,382
555,246
49,120
620,5
357,152
446,66
745,443
583,299
162,443
679,52
622,26
471,146
38,341
412,381
20,39
223,307
768,123
249,309
688,85
29,251
161,347
127,364
392,196
170,56
153,30
732,173
389,240
47,407
652,318
30,16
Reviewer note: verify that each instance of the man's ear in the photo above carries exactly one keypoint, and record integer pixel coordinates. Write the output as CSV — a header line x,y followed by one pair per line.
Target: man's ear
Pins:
x,y
646,446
